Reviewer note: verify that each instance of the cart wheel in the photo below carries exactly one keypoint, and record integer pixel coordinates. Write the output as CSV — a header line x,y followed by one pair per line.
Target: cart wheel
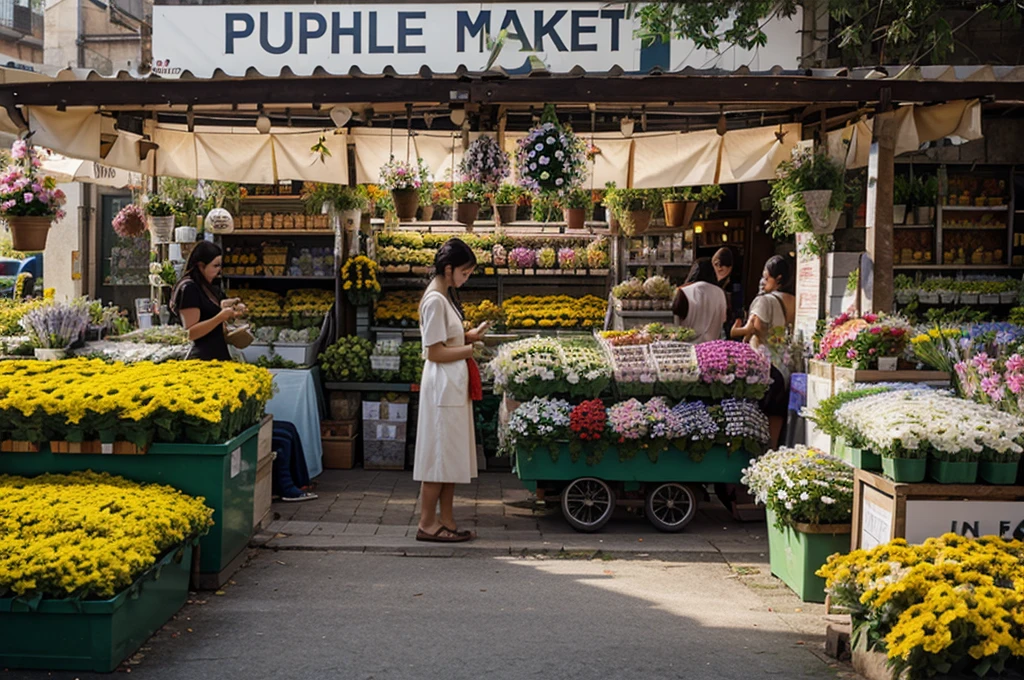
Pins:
x,y
671,506
587,503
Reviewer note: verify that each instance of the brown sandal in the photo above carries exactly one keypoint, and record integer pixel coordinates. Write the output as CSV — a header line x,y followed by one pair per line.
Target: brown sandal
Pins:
x,y
442,535
462,532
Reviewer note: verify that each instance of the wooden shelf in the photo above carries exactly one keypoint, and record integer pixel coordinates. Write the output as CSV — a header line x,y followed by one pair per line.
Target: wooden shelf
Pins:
x,y
281,232
975,208
913,226
277,278
274,197
372,387
996,228
979,267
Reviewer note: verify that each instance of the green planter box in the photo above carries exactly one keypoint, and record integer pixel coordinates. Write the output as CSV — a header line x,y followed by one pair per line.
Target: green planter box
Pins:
x,y
946,472
673,465
998,473
223,474
796,553
840,449
865,460
907,470
94,635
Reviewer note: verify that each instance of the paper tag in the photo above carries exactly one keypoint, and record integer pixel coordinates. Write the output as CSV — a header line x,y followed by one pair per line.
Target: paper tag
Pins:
x,y
385,363
398,412
236,462
387,432
371,410
107,448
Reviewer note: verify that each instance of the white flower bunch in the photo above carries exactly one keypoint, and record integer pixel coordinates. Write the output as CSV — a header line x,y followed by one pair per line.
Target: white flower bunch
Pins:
x,y
916,423
802,485
540,367
538,420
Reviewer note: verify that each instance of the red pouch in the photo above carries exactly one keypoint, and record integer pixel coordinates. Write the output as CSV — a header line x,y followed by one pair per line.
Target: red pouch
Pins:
x,y
476,385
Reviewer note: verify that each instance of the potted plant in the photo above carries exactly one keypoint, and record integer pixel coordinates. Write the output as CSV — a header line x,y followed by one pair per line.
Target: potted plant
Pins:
x,y
923,193
28,202
630,207
551,159
161,218
680,207
55,326
574,208
709,196
348,202
505,199
467,196
130,222
807,197
808,496
901,190
403,180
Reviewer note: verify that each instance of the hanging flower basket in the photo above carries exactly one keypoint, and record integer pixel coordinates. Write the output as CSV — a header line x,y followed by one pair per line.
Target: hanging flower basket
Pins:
x,y
823,220
28,234
551,159
641,220
407,201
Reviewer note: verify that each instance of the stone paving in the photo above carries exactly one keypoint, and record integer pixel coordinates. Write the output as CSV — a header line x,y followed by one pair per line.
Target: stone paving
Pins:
x,y
368,511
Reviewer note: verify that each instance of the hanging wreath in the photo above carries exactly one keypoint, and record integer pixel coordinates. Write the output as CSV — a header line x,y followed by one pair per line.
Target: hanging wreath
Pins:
x,y
551,159
485,162
130,222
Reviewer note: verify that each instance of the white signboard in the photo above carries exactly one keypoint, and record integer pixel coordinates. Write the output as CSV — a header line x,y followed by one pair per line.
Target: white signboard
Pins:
x,y
596,36
929,519
876,526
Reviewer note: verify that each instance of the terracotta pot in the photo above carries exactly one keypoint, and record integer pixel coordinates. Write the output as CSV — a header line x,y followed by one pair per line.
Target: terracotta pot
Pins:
x,y
162,228
28,234
506,214
575,218
613,224
679,214
406,203
465,213
641,220
427,213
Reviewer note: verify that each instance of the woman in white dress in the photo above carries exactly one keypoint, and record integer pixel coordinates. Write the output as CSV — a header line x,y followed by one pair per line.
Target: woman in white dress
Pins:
x,y
445,440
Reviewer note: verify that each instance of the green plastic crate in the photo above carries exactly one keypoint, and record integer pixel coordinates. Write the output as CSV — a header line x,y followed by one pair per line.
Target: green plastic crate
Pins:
x,y
223,474
795,556
94,635
673,465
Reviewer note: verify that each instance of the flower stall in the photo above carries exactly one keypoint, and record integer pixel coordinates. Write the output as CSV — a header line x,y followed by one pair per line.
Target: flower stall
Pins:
x,y
86,579
637,417
160,423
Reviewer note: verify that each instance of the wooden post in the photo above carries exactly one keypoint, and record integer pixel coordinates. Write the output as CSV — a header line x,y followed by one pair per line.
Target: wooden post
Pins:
x,y
877,282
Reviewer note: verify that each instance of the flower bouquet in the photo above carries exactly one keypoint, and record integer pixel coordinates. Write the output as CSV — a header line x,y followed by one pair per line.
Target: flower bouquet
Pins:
x,y
802,486
359,277
53,327
538,422
568,258
597,254
522,258
859,342
588,423
543,367
731,369
130,222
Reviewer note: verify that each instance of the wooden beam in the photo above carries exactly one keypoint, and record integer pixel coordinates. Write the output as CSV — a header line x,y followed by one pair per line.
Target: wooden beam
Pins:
x,y
879,214
751,90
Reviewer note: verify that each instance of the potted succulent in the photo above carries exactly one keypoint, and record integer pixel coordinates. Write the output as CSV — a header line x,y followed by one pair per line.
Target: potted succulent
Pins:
x,y
901,189
467,196
574,208
680,207
808,196
808,497
161,218
505,199
28,202
403,180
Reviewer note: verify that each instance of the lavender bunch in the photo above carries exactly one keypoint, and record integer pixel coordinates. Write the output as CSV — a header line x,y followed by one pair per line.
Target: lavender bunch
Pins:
x,y
57,325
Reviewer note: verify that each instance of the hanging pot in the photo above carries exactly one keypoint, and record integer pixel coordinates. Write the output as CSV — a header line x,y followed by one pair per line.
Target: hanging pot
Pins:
x,y
679,214
28,234
899,214
406,203
641,220
162,228
506,213
427,213
575,218
465,213
823,220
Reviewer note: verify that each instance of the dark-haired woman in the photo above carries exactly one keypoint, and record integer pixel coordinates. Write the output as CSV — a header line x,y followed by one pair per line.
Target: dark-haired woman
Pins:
x,y
772,310
700,303
445,440
201,306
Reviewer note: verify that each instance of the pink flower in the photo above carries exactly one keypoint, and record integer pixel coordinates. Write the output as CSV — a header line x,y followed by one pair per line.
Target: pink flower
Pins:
x,y
29,197
19,149
1015,382
871,318
1015,363
876,330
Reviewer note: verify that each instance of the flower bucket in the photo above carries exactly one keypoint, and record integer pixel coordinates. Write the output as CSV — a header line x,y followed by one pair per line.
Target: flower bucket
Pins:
x,y
506,214
406,203
162,228
184,234
427,213
797,552
864,460
466,213
679,214
28,234
43,354
950,472
575,218
641,220
899,214
905,470
350,220
823,220
998,473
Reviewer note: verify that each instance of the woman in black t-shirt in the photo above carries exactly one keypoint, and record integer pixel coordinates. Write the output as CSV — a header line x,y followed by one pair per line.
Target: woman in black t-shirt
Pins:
x,y
202,307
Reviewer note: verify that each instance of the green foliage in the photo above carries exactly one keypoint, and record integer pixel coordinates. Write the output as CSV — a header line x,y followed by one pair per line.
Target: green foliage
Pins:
x,y
901,190
923,190
158,207
577,198
678,194
317,194
508,194
468,192
347,360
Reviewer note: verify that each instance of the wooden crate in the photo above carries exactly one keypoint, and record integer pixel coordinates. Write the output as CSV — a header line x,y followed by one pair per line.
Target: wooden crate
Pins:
x,y
265,439
339,429
11,446
884,510
261,498
339,452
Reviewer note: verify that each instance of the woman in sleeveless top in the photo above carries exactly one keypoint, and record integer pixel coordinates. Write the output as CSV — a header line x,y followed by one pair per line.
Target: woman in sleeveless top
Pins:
x,y
772,310
700,303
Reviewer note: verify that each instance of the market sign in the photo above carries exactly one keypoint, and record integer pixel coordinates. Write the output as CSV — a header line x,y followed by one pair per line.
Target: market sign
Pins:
x,y
973,519
596,36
